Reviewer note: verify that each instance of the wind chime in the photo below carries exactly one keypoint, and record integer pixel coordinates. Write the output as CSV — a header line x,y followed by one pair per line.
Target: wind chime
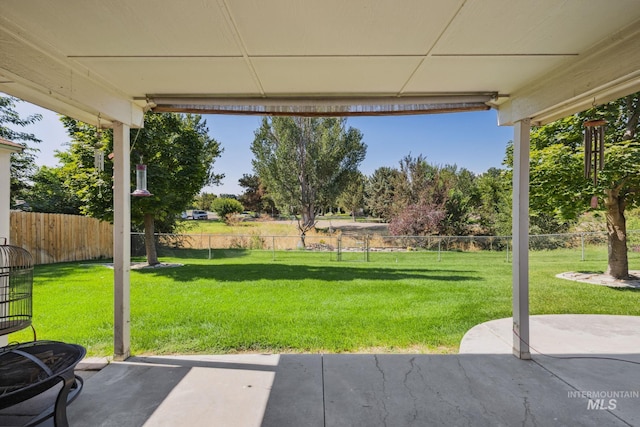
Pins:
x,y
594,152
98,158
98,153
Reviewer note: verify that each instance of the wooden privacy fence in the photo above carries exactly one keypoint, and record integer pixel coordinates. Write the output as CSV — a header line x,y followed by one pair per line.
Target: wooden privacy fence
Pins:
x,y
54,238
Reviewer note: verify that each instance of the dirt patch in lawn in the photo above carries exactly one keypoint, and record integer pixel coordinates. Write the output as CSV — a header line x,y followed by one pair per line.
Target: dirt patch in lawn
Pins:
x,y
360,228
601,279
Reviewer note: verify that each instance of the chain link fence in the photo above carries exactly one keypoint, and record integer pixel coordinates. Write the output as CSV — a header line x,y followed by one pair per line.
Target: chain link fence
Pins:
x,y
356,247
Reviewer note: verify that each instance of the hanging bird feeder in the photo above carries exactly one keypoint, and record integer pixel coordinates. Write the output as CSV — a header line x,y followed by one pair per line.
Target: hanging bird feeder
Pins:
x,y
593,148
141,181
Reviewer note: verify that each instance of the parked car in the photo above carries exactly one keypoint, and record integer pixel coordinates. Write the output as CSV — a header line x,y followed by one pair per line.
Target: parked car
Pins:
x,y
199,215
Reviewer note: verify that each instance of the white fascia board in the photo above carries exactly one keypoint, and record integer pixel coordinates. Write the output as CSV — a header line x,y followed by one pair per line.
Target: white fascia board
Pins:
x,y
607,72
9,146
42,78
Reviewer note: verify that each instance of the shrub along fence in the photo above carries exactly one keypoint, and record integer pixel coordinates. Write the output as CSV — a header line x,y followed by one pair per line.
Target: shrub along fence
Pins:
x,y
54,238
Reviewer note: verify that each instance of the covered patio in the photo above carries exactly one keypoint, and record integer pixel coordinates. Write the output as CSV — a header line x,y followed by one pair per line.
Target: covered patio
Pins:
x,y
106,63
586,374
583,372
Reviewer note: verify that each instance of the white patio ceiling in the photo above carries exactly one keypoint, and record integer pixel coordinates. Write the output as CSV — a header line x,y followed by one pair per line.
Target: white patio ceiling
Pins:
x,y
538,59
105,61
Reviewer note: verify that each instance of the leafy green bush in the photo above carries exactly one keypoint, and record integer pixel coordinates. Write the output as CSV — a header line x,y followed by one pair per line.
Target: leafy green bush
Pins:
x,y
224,206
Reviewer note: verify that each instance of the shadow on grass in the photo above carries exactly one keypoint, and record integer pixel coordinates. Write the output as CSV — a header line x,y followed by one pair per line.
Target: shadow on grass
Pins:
x,y
258,271
624,289
68,268
203,253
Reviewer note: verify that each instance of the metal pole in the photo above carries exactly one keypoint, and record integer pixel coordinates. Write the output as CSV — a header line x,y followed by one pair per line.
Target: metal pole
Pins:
x,y
273,247
209,246
439,245
582,244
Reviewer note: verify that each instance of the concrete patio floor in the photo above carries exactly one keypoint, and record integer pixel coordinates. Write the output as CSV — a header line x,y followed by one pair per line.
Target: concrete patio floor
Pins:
x,y
586,356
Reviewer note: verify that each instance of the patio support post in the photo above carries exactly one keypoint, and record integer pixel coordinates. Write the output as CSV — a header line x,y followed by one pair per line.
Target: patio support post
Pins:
x,y
121,240
520,246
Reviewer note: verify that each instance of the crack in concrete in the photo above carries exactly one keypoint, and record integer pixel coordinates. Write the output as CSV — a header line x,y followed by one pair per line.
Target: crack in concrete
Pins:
x,y
413,396
488,413
384,391
527,414
452,405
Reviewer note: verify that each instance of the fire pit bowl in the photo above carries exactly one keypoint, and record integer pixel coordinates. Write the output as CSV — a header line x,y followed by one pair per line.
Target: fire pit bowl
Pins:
x,y
28,369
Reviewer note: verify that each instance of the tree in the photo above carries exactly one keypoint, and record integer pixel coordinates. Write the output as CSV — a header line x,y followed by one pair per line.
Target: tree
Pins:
x,y
50,194
179,156
228,196
23,164
457,210
255,196
558,186
494,210
417,219
422,191
352,197
306,162
380,192
461,200
204,201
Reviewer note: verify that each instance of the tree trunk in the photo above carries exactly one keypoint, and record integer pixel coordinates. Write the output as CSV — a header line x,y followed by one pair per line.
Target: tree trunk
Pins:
x,y
306,223
149,240
308,217
617,236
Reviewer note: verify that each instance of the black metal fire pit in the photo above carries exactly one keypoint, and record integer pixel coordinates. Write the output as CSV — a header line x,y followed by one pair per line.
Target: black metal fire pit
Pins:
x,y
28,369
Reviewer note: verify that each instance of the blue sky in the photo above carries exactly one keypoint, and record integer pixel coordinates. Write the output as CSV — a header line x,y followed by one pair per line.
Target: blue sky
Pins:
x,y
471,140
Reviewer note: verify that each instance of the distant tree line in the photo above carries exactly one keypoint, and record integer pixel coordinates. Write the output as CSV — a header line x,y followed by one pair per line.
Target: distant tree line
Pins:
x,y
419,198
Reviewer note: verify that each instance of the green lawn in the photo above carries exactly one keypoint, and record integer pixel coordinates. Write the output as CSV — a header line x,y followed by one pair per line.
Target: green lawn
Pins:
x,y
304,302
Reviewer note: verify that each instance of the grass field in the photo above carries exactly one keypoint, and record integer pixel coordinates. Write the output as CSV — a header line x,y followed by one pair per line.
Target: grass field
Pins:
x,y
272,228
304,302
265,227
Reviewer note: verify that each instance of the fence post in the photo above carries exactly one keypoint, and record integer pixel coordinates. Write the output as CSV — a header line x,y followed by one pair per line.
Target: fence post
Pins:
x,y
366,247
439,247
507,245
582,244
273,247
209,246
